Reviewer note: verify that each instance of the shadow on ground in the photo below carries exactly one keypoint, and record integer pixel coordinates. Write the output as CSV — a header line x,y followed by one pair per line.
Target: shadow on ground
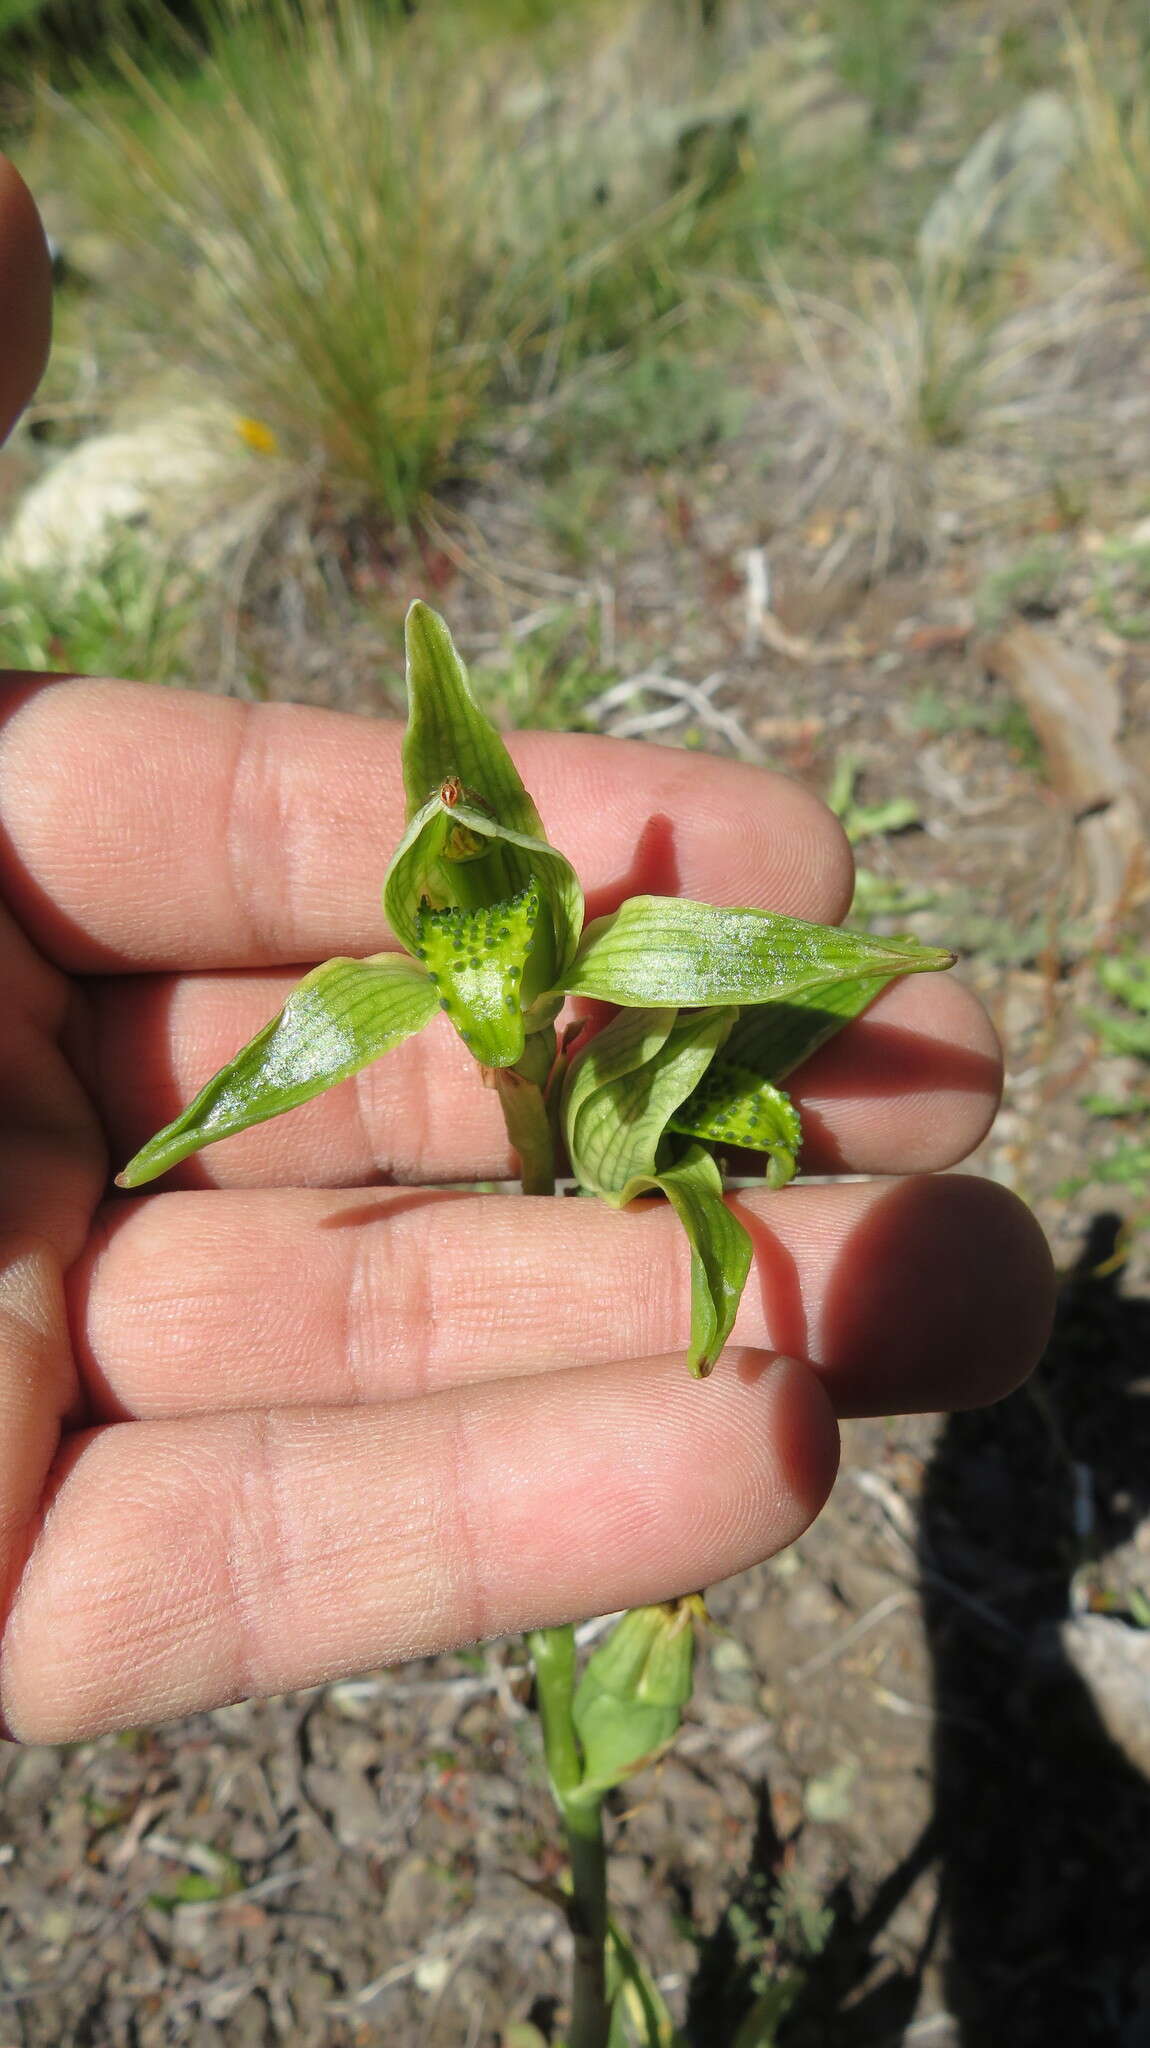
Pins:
x,y
1041,1826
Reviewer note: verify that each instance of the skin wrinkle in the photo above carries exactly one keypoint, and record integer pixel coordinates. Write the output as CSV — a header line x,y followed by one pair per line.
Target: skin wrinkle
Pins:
x,y
246,778
472,1592
354,1295
69,1471
37,1388
251,1567
401,1297
423,1090
160,1611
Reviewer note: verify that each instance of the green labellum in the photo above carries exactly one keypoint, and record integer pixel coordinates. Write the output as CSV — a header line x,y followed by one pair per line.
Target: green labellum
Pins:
x,y
476,960
732,1106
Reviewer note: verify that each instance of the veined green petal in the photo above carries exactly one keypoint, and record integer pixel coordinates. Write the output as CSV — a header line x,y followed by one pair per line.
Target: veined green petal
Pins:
x,y
658,950
721,1250
732,1106
342,1016
623,1090
476,960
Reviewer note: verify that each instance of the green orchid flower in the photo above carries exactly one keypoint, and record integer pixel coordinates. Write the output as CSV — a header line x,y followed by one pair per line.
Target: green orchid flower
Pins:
x,y
716,1006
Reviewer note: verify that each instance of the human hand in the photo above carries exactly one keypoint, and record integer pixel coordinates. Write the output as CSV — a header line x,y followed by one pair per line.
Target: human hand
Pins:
x,y
283,1421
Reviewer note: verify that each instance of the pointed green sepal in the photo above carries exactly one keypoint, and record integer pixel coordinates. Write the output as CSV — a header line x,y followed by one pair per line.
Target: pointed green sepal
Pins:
x,y
474,839
476,961
630,1699
731,1106
659,950
342,1016
625,1087
448,737
621,1099
721,1251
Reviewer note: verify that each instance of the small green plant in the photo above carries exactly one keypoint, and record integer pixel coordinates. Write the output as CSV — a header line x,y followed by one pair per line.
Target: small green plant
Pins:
x,y
1122,588
1125,977
714,1008
866,821
133,617
661,407
545,679
1030,583
876,896
931,710
1123,1030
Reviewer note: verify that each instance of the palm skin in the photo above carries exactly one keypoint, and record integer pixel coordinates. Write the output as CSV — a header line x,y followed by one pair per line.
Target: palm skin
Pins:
x,y
300,1412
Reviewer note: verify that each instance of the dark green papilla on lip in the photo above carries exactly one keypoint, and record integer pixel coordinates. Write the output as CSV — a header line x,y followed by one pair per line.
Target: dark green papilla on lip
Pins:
x,y
716,1005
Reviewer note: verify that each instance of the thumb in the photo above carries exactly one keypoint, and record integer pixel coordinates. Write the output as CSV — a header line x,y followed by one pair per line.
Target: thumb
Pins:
x,y
25,296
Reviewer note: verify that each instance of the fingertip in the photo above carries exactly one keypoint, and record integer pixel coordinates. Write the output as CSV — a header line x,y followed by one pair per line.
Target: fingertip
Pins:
x,y
943,1300
912,1086
803,1431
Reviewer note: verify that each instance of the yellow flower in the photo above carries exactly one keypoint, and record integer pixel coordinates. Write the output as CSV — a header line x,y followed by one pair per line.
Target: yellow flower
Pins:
x,y
259,438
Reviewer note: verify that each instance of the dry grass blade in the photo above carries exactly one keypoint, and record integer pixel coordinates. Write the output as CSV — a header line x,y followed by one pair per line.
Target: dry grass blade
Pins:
x,y
1114,132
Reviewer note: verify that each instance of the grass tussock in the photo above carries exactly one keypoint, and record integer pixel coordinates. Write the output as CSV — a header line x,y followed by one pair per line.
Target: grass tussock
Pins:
x,y
905,365
319,197
1110,82
383,233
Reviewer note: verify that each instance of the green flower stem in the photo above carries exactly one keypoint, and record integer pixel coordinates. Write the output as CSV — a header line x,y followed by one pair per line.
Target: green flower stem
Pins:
x,y
590,2012
553,1656
552,1652
530,1127
529,1121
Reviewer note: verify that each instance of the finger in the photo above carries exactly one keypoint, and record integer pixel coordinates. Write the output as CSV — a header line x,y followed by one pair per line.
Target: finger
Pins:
x,y
52,1162
160,829
37,1388
912,1085
920,1294
185,1563
25,296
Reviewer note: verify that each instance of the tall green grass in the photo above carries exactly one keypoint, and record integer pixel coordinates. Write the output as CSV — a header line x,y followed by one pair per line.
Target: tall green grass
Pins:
x,y
315,207
373,231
